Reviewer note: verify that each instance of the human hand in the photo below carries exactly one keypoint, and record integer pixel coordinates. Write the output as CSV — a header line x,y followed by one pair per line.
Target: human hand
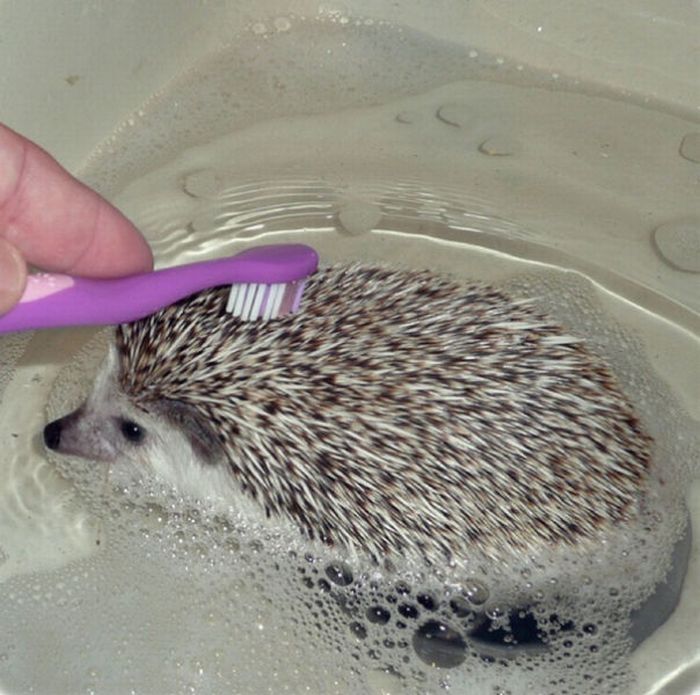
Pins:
x,y
51,220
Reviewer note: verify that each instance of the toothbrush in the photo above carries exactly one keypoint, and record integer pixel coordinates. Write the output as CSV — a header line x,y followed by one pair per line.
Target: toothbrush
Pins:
x,y
266,282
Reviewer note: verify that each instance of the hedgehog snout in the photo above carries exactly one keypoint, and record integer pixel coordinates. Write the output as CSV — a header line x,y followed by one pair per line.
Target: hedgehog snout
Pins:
x,y
87,435
52,434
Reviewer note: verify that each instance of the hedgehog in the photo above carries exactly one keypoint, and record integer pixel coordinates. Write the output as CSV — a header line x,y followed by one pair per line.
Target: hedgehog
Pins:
x,y
399,412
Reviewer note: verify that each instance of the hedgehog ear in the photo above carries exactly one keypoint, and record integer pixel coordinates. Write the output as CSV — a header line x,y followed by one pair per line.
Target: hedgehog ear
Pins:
x,y
194,426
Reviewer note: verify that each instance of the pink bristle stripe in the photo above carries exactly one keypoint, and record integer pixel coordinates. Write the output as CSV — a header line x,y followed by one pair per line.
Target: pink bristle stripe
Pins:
x,y
299,291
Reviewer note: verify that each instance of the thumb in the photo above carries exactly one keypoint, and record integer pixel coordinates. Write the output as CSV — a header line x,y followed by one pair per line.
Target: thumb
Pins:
x,y
13,275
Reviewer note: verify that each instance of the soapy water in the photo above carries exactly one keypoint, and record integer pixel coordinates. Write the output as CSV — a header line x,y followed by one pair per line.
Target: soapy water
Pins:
x,y
157,593
176,598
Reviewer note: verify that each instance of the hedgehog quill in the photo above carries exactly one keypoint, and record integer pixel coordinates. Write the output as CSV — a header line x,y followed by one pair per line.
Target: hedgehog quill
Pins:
x,y
399,412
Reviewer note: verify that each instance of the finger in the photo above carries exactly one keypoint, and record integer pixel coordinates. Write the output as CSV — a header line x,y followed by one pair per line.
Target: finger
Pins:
x,y
58,223
13,276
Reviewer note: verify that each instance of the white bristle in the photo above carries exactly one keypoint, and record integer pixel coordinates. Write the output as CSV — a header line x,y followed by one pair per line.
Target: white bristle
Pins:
x,y
270,303
257,303
267,310
248,303
233,293
239,300
277,302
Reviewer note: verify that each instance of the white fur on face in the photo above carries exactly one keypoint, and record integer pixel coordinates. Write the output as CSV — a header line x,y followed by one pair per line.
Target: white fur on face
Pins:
x,y
94,432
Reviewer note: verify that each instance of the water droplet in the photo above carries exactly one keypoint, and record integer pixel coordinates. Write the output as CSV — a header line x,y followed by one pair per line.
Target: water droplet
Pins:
x,y
406,117
476,592
359,217
678,243
408,610
438,644
456,115
358,629
378,614
690,147
282,24
460,607
204,183
402,589
428,601
500,146
495,612
339,574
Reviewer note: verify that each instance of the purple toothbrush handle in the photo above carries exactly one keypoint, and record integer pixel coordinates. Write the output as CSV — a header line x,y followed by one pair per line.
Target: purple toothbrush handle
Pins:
x,y
81,301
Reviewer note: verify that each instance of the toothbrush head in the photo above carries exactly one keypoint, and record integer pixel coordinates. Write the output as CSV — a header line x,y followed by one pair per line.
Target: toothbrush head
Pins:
x,y
272,295
251,301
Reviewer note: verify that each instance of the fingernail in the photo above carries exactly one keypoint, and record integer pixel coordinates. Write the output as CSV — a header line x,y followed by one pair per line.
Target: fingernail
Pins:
x,y
13,276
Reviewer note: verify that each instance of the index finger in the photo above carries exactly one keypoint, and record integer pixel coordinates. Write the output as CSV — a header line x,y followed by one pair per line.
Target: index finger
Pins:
x,y
58,223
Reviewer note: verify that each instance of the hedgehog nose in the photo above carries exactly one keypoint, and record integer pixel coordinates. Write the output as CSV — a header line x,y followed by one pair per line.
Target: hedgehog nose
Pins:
x,y
52,434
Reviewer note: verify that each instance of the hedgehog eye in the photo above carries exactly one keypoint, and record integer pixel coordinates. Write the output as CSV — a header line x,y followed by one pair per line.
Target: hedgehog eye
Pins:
x,y
131,431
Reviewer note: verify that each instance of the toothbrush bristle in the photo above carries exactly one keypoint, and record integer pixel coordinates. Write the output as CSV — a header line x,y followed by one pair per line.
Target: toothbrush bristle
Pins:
x,y
258,301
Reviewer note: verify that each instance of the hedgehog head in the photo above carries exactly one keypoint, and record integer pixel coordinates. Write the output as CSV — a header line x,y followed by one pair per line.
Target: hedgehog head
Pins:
x,y
158,435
